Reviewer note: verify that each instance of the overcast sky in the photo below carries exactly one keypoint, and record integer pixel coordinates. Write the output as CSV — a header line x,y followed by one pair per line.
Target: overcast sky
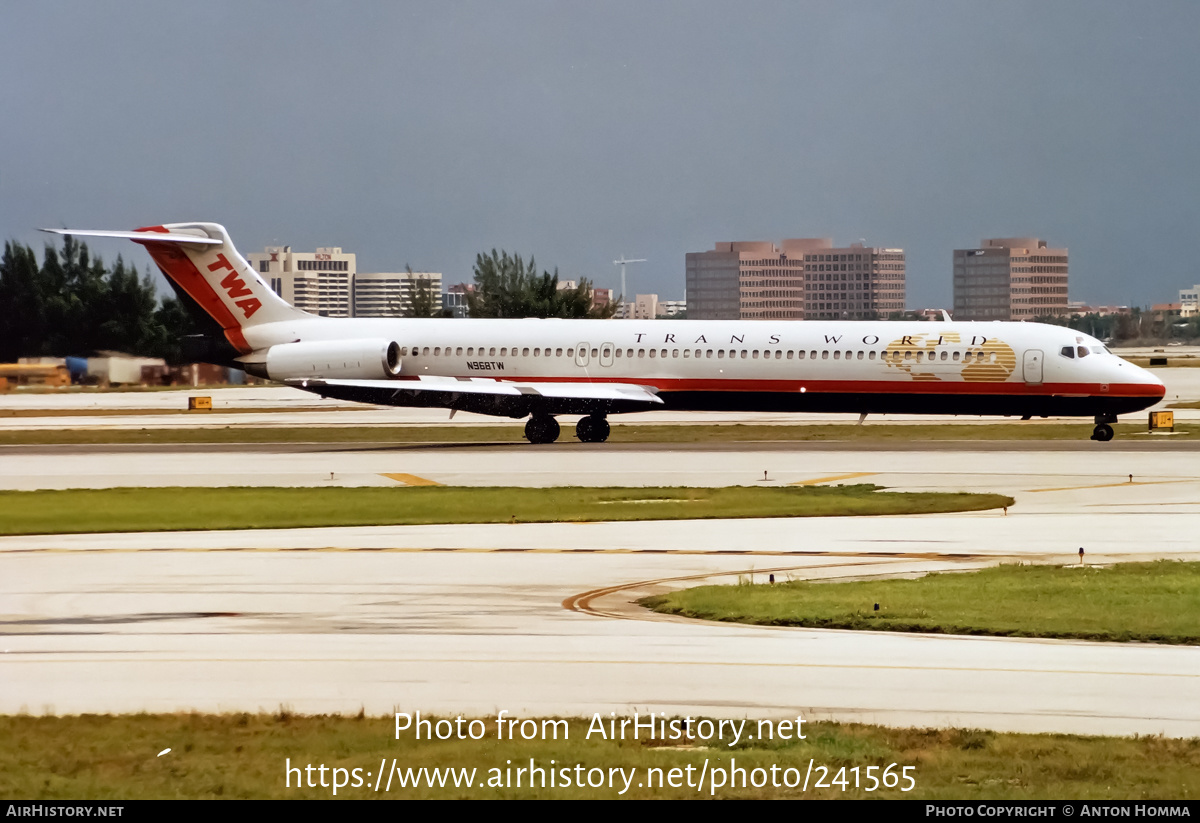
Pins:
x,y
424,133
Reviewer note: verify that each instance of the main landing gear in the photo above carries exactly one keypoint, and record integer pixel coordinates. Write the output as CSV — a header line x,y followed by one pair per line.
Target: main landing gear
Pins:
x,y
541,428
1103,431
592,429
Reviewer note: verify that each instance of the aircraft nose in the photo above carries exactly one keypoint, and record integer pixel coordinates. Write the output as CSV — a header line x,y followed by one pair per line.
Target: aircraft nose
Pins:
x,y
1151,381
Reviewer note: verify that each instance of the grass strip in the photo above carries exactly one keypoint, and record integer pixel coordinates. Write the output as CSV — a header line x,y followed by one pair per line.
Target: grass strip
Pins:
x,y
171,509
621,433
245,756
1155,602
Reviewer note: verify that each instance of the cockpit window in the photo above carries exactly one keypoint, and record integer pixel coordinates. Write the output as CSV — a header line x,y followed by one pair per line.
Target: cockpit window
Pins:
x,y
1068,352
1083,352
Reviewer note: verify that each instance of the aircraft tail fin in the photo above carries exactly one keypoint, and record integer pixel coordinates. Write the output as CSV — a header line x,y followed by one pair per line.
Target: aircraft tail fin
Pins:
x,y
200,259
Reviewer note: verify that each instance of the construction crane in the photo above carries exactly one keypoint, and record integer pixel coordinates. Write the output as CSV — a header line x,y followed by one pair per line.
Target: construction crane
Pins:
x,y
624,296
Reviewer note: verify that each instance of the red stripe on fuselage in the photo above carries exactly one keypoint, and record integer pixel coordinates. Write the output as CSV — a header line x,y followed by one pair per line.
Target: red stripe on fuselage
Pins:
x,y
175,263
931,387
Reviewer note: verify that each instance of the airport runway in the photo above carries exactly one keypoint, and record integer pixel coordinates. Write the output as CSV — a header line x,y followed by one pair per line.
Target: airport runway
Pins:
x,y
539,618
1162,470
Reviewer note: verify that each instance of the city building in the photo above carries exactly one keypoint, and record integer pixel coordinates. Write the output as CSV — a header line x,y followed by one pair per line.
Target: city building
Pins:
x,y
1010,278
671,308
455,299
599,297
1078,309
327,283
316,282
1189,301
801,279
648,307
390,294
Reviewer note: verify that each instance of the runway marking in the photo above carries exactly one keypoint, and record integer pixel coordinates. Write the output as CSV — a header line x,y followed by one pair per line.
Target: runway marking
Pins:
x,y
830,479
1113,485
411,480
582,602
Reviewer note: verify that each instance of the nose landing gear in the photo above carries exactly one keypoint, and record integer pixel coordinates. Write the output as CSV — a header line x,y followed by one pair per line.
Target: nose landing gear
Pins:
x,y
1103,431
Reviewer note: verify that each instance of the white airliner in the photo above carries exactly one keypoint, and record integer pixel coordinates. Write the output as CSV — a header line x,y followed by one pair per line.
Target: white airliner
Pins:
x,y
541,368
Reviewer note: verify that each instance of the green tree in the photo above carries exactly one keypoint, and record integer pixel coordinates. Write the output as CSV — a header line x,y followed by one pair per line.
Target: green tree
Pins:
x,y
73,305
507,286
423,302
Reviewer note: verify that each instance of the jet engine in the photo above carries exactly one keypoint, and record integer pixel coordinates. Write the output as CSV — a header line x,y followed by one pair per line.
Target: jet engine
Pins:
x,y
375,359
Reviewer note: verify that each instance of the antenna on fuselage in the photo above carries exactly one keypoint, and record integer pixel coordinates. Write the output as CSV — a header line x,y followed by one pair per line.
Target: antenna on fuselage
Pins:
x,y
625,297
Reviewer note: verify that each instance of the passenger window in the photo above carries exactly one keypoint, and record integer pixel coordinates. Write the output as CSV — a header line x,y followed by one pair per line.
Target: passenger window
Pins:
x,y
744,354
492,351
687,353
720,354
837,355
437,351
824,355
403,351
871,355
504,352
628,352
812,355
674,352
779,354
619,352
558,352
956,354
595,353
708,353
755,354
524,351
457,352
641,352
860,355
570,352
944,355
653,352
537,352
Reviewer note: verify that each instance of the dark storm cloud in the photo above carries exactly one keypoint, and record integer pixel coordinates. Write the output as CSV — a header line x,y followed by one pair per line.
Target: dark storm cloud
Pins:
x,y
423,133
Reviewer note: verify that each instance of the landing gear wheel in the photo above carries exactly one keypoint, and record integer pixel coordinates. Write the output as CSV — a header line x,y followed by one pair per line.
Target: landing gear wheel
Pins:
x,y
1103,432
592,429
541,428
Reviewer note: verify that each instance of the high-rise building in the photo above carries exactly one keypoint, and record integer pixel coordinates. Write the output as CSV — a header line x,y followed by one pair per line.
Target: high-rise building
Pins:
x,y
327,283
316,282
801,279
390,294
1010,278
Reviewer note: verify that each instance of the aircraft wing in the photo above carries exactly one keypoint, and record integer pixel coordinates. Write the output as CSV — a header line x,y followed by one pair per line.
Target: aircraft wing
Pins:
x,y
487,396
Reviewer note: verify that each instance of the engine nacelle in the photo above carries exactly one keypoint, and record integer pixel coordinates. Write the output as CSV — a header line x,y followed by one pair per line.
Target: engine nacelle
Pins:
x,y
376,359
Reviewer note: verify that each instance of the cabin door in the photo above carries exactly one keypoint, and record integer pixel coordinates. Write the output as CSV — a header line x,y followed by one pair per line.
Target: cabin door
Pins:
x,y
1033,367
606,354
581,355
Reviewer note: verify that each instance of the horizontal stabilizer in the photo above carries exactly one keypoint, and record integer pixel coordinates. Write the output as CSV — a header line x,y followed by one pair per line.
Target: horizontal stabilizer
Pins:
x,y
144,236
